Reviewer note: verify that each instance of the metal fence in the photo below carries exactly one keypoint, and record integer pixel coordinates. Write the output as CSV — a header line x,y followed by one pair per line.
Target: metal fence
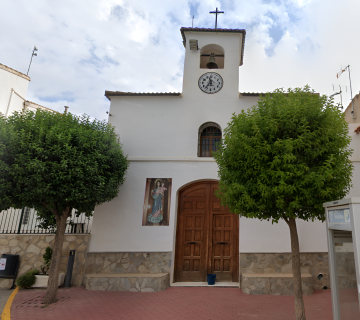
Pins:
x,y
25,220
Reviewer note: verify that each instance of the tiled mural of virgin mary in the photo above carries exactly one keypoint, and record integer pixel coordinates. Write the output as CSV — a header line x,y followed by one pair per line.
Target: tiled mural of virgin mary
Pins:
x,y
157,202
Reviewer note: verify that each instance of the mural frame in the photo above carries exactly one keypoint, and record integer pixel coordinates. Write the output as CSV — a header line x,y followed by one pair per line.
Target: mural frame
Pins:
x,y
157,199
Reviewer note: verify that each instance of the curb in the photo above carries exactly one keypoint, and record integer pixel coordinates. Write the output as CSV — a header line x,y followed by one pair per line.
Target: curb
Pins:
x,y
6,313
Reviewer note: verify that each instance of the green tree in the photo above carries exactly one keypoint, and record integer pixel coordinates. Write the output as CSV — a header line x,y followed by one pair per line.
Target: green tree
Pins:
x,y
56,163
282,159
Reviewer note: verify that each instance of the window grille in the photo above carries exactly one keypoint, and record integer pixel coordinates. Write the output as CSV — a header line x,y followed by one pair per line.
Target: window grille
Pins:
x,y
209,136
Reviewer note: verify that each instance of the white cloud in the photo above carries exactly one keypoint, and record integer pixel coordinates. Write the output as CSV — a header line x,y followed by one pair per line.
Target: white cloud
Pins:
x,y
87,47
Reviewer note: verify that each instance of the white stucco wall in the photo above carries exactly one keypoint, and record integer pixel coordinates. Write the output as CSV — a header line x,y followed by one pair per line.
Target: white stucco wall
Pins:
x,y
117,225
12,80
167,126
262,236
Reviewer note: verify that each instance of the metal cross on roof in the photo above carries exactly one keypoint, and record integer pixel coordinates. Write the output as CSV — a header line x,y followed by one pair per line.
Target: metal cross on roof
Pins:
x,y
216,12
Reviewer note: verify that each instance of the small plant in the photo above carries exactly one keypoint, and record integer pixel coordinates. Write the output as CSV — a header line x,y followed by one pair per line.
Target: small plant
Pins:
x,y
27,279
47,258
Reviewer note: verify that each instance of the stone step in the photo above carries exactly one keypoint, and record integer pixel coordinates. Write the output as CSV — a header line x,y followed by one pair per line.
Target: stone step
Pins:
x,y
134,282
274,283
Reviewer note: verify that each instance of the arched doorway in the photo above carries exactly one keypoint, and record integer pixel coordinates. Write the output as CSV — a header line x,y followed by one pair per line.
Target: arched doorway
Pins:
x,y
207,236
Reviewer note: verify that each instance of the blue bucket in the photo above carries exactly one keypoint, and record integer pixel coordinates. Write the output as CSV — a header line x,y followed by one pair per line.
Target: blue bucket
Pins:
x,y
211,278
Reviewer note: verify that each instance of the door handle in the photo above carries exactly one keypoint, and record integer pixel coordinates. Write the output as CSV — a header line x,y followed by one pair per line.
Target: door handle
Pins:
x,y
192,243
222,243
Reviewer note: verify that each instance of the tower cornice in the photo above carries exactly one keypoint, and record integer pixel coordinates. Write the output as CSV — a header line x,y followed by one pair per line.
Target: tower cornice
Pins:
x,y
242,31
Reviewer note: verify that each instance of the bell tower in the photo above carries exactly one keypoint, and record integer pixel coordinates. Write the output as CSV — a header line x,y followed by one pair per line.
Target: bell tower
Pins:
x,y
218,52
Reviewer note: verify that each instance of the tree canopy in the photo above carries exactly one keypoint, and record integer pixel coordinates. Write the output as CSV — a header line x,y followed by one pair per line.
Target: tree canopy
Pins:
x,y
56,163
50,160
285,157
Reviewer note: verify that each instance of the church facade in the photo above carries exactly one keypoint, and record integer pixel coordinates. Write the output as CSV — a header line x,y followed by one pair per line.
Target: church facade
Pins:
x,y
166,208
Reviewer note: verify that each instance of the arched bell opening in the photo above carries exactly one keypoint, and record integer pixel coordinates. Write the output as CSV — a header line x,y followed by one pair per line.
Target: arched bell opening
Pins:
x,y
212,56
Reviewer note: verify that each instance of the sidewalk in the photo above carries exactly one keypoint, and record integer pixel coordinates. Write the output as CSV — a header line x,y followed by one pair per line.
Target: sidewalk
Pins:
x,y
4,296
174,303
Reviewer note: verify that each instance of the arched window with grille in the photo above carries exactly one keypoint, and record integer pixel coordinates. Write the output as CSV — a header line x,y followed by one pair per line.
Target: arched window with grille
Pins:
x,y
209,136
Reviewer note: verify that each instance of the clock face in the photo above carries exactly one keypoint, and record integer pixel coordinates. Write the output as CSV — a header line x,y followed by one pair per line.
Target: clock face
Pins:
x,y
211,82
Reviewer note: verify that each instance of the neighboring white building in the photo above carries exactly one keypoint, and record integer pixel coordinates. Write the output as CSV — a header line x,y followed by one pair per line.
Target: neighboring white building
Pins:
x,y
168,136
13,89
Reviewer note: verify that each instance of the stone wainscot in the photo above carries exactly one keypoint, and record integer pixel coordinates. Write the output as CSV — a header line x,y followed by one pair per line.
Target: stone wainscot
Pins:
x,y
128,271
128,262
31,248
313,263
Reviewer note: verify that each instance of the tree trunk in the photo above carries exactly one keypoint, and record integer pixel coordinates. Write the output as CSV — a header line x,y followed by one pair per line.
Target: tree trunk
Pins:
x,y
52,288
295,255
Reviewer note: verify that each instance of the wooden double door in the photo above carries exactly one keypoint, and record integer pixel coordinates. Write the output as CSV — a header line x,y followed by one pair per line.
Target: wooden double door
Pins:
x,y
207,236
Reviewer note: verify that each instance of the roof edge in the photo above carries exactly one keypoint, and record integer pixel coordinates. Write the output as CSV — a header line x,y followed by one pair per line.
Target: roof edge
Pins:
x,y
258,94
30,103
18,73
109,94
251,94
243,31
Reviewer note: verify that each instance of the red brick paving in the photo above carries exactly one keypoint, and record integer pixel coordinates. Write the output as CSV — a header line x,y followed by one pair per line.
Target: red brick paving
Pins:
x,y
349,305
174,303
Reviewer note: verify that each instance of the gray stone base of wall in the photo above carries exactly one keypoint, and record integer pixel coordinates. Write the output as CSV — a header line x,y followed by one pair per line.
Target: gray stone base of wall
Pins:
x,y
313,263
31,248
134,282
274,284
128,271
128,262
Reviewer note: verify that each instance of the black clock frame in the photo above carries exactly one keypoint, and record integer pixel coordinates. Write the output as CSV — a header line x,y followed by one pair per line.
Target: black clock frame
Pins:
x,y
211,73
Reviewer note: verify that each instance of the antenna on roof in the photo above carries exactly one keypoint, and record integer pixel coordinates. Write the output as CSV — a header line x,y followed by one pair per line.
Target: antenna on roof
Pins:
x,y
352,101
341,97
336,93
192,25
33,54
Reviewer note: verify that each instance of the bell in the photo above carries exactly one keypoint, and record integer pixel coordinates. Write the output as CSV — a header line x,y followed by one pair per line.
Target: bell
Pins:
x,y
212,64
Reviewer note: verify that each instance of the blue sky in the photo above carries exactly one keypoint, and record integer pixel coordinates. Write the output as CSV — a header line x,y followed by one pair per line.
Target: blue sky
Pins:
x,y
87,47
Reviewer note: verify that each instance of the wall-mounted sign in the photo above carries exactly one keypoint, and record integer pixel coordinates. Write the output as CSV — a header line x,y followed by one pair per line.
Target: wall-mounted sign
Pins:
x,y
339,216
2,263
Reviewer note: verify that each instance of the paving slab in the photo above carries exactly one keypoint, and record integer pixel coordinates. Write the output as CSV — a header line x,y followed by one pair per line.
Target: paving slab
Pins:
x,y
185,303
